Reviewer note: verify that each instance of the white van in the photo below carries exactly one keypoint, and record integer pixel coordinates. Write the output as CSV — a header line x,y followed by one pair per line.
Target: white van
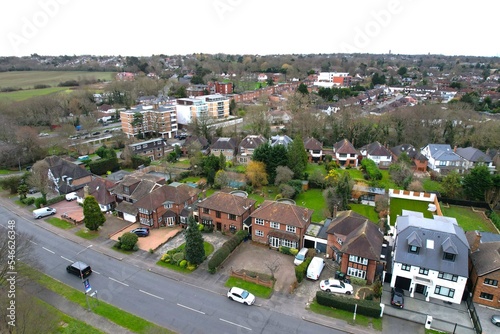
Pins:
x,y
301,256
43,212
315,268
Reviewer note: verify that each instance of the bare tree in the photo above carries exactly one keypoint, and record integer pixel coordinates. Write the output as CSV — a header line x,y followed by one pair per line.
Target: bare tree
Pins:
x,y
283,175
39,177
14,248
273,265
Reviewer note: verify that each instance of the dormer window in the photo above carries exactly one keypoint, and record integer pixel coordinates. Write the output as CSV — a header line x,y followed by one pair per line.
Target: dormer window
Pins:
x,y
126,190
449,256
413,249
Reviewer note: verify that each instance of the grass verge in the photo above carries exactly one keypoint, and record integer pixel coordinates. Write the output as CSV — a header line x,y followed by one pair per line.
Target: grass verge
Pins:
x,y
361,320
256,289
87,234
58,222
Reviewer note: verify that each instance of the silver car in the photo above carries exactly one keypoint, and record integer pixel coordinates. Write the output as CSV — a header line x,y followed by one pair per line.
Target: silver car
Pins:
x,y
495,320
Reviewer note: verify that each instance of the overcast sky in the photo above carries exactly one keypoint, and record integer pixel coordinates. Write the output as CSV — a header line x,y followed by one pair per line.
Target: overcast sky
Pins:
x,y
147,27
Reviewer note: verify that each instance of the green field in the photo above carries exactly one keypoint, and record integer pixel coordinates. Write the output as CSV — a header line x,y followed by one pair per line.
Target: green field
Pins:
x,y
28,79
22,95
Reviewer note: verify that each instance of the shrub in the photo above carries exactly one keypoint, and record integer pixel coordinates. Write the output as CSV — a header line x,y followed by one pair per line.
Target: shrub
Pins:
x,y
495,218
178,257
208,228
39,201
183,264
165,258
28,200
358,281
371,169
151,251
222,253
364,307
117,245
135,248
201,227
128,241
294,251
56,199
285,250
191,266
301,269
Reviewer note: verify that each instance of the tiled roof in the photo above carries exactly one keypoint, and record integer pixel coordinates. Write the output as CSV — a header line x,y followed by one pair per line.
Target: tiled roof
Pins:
x,y
227,203
312,144
252,141
364,241
283,213
473,154
344,147
224,143
167,193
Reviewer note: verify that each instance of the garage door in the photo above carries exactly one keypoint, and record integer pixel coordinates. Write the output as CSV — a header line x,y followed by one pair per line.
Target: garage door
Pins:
x,y
403,283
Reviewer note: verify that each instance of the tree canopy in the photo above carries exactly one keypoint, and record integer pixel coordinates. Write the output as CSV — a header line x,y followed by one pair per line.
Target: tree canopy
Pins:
x,y
93,216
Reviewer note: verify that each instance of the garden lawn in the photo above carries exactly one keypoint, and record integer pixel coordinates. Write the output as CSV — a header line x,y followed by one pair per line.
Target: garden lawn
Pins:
x,y
432,186
313,199
85,233
468,219
346,316
256,289
311,167
356,174
57,222
366,211
398,204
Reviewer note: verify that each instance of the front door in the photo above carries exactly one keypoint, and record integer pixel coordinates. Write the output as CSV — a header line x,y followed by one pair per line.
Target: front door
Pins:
x,y
218,224
274,242
419,288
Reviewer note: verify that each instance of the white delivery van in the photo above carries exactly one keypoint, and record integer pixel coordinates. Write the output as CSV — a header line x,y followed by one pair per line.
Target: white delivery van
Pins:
x,y
315,268
44,212
301,256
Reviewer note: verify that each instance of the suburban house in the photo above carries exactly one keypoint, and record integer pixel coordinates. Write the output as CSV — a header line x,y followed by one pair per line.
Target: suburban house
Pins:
x,y
225,146
314,149
66,177
494,154
154,148
196,143
226,212
474,157
247,146
419,161
378,153
442,159
167,205
345,154
131,189
356,244
281,140
280,224
484,267
99,188
430,257
280,117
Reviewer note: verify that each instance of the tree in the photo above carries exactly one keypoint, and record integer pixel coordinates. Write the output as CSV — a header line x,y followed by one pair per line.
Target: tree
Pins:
x,y
256,174
303,89
93,216
210,166
402,71
221,179
344,189
492,196
332,200
128,240
194,250
287,191
39,177
297,157
273,265
272,157
477,182
452,184
401,174
283,175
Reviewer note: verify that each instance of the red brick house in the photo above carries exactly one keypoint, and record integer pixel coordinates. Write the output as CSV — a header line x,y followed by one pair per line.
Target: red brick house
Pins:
x,y
356,244
419,161
167,206
227,212
314,149
345,154
280,224
484,267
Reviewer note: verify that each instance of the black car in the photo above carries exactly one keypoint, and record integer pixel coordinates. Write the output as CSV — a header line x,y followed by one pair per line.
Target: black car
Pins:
x,y
79,269
141,231
397,297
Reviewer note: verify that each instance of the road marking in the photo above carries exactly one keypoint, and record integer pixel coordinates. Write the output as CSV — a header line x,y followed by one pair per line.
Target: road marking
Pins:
x,y
48,250
95,272
117,281
189,308
67,259
33,242
232,323
151,294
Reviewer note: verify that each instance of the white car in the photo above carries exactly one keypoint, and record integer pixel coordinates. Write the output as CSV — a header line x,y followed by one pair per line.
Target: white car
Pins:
x,y
335,285
241,296
71,196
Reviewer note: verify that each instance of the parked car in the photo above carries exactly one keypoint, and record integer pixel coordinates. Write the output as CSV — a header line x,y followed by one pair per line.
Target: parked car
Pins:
x,y
335,285
141,231
301,256
241,296
71,196
79,269
397,297
315,268
33,191
495,320
44,212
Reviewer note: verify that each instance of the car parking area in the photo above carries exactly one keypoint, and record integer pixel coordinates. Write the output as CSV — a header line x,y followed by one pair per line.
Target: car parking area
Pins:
x,y
71,209
156,237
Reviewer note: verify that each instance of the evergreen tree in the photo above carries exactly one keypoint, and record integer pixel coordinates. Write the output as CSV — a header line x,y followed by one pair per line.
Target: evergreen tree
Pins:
x,y
194,251
297,157
477,182
93,216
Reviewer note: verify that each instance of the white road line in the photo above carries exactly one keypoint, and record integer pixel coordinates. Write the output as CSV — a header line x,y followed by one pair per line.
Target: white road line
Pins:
x,y
189,308
232,323
33,242
66,259
117,281
95,272
48,250
151,294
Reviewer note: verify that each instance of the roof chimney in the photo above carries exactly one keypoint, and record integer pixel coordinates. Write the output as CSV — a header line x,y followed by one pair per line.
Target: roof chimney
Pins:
x,y
334,215
455,149
85,191
477,241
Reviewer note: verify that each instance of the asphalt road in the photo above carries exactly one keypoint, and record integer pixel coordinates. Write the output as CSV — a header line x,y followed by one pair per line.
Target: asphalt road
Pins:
x,y
176,305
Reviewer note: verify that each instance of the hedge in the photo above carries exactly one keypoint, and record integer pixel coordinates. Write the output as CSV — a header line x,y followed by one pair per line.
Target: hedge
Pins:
x,y
365,307
102,166
301,269
495,219
371,169
56,199
222,253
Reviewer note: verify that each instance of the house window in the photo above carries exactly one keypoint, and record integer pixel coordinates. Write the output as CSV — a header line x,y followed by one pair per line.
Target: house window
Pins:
x,y
413,249
423,271
449,256
485,295
448,277
217,214
490,281
444,291
232,228
275,225
183,220
232,217
144,211
170,221
288,243
405,267
146,221
167,205
292,229
126,190
356,272
259,233
259,221
358,259
205,210
340,241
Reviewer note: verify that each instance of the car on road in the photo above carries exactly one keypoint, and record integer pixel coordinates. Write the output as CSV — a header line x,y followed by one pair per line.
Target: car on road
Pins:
x,y
495,320
44,212
397,297
337,286
141,231
241,296
71,196
79,269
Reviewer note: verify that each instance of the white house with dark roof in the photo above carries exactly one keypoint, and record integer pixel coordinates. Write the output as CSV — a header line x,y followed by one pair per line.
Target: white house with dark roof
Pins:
x,y
474,157
430,257
442,159
378,153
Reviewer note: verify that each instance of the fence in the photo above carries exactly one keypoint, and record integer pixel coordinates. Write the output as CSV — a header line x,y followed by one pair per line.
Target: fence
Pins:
x,y
474,316
244,276
459,202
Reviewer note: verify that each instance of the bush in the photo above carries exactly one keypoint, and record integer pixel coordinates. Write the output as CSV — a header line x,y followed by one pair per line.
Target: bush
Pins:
x,y
222,253
371,170
301,269
56,199
201,227
495,218
358,281
177,258
39,201
102,166
183,264
128,241
365,307
135,248
191,266
294,251
28,200
117,245
165,258
285,250
208,228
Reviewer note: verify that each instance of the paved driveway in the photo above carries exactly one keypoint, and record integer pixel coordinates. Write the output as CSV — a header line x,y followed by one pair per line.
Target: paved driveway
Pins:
x,y
156,238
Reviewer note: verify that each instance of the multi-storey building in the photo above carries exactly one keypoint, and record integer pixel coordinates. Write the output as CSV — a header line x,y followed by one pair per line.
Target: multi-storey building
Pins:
x,y
158,119
330,79
154,148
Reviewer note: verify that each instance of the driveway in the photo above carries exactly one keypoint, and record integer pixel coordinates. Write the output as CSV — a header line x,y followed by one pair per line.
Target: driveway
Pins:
x,y
72,209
